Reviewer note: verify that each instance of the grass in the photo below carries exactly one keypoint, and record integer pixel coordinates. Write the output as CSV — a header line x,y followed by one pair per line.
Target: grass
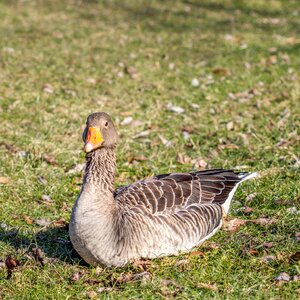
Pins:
x,y
61,60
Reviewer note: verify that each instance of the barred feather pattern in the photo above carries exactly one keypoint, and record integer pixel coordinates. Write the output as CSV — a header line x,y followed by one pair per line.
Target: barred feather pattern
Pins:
x,y
162,215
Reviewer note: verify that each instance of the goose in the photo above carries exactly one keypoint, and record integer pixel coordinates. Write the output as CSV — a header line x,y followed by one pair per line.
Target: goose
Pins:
x,y
164,215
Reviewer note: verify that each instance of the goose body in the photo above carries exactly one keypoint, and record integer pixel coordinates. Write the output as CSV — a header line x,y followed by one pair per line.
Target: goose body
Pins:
x,y
158,216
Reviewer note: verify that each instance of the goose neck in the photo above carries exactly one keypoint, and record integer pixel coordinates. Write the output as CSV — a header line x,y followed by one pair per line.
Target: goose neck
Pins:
x,y
100,169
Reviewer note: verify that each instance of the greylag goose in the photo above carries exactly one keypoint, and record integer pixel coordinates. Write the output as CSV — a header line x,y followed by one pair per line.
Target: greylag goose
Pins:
x,y
159,216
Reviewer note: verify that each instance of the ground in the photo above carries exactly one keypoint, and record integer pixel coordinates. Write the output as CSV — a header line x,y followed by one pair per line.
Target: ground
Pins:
x,y
232,66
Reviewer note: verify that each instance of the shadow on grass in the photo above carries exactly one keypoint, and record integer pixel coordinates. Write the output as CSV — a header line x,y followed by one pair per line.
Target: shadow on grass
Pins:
x,y
54,243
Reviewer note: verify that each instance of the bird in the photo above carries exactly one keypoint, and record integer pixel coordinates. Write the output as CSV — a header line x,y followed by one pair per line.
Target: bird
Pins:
x,y
164,215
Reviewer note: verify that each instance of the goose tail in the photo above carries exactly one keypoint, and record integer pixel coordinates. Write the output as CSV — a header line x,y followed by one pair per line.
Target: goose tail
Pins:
x,y
243,176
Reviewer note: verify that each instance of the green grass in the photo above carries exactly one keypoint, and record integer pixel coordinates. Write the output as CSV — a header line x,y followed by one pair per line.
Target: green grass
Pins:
x,y
80,49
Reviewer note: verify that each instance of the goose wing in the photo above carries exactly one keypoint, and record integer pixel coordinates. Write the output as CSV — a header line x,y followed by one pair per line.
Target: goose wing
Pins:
x,y
168,193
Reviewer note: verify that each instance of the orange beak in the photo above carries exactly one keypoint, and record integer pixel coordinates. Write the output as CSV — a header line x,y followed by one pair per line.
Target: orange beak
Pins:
x,y
93,139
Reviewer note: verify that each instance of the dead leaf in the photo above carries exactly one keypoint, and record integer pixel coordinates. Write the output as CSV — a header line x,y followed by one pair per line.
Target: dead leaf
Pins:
x,y
59,223
263,221
91,294
77,169
4,180
233,225
295,256
143,276
142,264
127,121
75,277
11,263
186,135
42,180
91,80
273,59
104,289
132,72
268,258
98,270
183,159
42,222
47,88
268,245
142,134
46,198
182,262
166,142
250,197
247,210
49,159
283,277
253,252
11,148
230,126
136,158
297,236
208,286
175,109
283,202
38,255
195,82
221,71
28,220
125,277
199,163
197,253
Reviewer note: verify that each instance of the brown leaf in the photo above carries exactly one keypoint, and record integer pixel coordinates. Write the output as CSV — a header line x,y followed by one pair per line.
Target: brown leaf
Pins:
x,y
143,276
253,252
136,158
42,222
283,277
268,258
132,72
38,255
268,245
295,256
11,148
42,180
233,225
197,253
263,221
47,88
11,263
142,264
182,262
221,71
250,197
199,163
98,270
247,210
91,294
4,180
188,128
183,159
49,159
59,223
75,277
28,220
125,277
208,286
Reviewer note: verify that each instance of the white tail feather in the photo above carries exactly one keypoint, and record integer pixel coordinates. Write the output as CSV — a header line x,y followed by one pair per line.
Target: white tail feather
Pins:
x,y
243,177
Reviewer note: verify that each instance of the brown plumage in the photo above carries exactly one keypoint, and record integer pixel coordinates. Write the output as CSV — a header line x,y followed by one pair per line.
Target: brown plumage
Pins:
x,y
158,216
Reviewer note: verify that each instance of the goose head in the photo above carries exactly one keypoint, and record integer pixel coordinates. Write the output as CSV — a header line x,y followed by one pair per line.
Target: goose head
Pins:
x,y
99,132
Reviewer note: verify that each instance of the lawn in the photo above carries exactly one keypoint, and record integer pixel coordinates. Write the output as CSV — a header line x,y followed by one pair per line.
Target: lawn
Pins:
x,y
189,84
